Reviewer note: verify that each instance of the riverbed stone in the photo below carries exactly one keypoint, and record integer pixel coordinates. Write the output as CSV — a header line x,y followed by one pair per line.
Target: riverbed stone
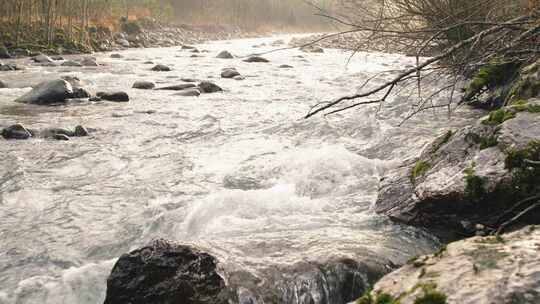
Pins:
x,y
178,87
114,96
229,73
161,68
144,85
48,92
89,61
209,87
193,92
256,59
16,131
464,176
116,56
479,270
225,55
41,58
71,63
166,273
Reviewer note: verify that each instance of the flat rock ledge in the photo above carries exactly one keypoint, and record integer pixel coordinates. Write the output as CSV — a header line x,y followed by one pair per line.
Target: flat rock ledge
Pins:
x,y
479,270
471,181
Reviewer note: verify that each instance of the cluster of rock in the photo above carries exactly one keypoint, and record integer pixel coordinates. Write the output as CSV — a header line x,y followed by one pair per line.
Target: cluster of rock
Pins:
x,y
20,132
184,89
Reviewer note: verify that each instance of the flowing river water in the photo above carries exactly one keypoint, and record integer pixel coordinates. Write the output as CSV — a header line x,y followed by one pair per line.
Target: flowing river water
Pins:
x,y
239,173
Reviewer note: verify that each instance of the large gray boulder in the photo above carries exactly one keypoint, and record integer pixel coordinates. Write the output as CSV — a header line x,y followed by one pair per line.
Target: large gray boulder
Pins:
x,y
479,270
166,273
225,55
48,92
468,178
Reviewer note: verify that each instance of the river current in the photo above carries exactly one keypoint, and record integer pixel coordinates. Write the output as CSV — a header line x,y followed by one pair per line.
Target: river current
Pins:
x,y
239,173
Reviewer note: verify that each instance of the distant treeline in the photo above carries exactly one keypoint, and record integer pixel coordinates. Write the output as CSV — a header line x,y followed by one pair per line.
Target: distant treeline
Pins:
x,y
61,21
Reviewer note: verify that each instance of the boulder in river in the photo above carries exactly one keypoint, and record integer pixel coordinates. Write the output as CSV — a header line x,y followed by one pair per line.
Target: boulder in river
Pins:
x,y
178,87
189,92
166,273
479,270
256,59
188,47
80,93
116,56
48,92
225,55
89,61
4,53
9,67
81,131
469,178
41,58
2,85
161,68
123,42
114,96
312,49
229,73
71,63
144,85
16,131
209,87
285,66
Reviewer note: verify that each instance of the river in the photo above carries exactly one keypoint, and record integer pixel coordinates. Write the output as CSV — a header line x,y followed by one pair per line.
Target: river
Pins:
x,y
239,173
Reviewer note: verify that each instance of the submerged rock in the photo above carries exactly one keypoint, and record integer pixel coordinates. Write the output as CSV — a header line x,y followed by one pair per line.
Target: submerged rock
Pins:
x,y
209,87
71,63
256,59
144,85
225,55
479,270
178,87
114,96
48,92
165,273
189,92
229,73
41,58
468,176
161,68
16,131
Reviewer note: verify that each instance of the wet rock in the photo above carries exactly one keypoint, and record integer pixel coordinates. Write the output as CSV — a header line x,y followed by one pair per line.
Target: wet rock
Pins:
x,y
489,270
71,63
80,93
209,87
312,49
161,68
225,55
188,47
57,58
2,85
63,137
189,92
73,80
239,77
116,56
9,67
122,42
144,85
89,61
256,59
166,273
285,66
462,176
114,96
148,62
189,79
229,73
41,58
16,131
178,87
4,53
95,98
80,131
48,92
195,51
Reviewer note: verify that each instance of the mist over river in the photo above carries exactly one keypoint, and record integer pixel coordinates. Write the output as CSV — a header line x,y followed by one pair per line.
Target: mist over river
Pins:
x,y
239,174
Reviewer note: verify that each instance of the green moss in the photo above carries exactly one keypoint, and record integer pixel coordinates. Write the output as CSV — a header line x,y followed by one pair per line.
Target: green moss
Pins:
x,y
522,106
488,142
489,77
474,185
443,140
499,116
525,176
420,168
381,298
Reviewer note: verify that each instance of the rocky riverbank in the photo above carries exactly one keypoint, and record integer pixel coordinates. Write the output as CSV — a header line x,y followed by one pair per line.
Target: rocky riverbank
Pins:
x,y
143,33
